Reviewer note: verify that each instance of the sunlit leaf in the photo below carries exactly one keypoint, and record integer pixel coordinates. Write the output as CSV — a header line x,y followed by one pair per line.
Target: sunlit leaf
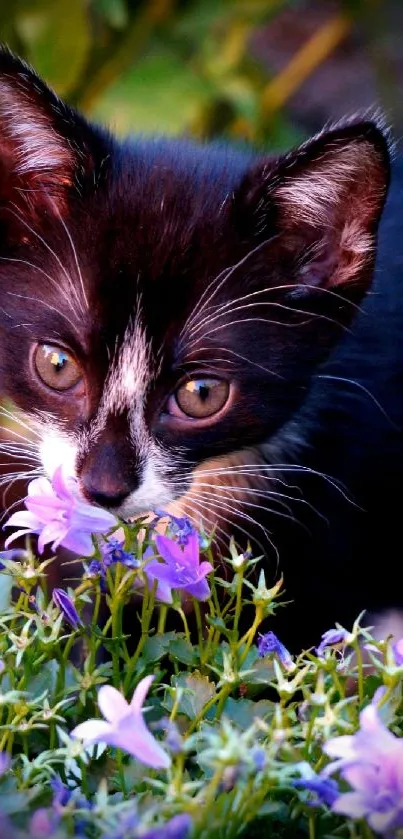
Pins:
x,y
56,36
160,94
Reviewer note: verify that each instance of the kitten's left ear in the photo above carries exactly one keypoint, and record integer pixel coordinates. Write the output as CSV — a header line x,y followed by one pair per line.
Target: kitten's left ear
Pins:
x,y
322,203
46,148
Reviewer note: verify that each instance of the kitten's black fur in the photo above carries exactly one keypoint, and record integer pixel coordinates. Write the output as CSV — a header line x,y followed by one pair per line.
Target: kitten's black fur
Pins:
x,y
164,258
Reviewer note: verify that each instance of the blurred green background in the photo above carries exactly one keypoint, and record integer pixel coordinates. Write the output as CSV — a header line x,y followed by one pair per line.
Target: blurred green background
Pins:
x,y
269,71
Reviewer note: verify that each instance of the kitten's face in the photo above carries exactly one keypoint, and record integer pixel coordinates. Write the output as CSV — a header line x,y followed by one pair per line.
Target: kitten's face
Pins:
x,y
164,305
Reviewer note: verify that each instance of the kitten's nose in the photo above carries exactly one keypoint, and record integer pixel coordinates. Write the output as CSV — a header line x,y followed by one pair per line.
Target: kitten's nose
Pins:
x,y
107,476
104,499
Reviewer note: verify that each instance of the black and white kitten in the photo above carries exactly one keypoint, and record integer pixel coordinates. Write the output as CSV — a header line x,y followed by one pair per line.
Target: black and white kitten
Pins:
x,y
164,307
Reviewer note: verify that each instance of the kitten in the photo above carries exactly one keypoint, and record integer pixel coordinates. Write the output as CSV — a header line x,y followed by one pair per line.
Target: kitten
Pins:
x,y
164,307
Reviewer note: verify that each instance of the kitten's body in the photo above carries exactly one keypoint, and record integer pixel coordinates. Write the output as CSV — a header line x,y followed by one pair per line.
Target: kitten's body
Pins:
x,y
352,428
162,274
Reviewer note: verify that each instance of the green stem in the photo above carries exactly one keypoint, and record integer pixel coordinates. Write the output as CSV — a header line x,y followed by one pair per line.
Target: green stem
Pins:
x,y
146,615
238,600
121,770
185,623
199,631
312,829
249,636
360,670
163,611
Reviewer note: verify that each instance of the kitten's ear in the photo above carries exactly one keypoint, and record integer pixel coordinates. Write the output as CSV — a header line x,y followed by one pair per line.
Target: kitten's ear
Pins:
x,y
323,202
45,147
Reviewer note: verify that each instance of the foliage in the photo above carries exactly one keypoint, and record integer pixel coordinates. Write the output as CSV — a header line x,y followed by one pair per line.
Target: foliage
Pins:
x,y
169,66
243,726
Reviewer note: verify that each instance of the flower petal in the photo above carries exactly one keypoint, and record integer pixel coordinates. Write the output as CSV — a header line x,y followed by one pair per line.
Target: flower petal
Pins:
x,y
140,693
192,550
152,571
170,551
112,704
133,736
15,536
204,568
24,519
93,519
199,590
352,804
343,747
92,731
78,542
63,486
40,486
383,822
52,532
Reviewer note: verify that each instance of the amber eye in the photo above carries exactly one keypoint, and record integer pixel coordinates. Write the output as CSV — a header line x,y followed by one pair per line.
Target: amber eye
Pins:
x,y
201,398
56,367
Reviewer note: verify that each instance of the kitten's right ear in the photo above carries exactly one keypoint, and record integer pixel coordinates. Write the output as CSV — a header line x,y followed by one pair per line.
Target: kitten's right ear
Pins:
x,y
46,148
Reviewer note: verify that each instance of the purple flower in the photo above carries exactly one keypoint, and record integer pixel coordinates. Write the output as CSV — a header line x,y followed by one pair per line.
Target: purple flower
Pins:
x,y
58,514
112,552
124,726
181,569
67,607
332,638
397,649
61,793
326,789
178,827
371,761
42,824
259,758
5,763
173,737
180,528
269,644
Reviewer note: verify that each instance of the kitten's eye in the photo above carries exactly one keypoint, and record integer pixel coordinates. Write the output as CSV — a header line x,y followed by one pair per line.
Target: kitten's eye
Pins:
x,y
201,398
56,367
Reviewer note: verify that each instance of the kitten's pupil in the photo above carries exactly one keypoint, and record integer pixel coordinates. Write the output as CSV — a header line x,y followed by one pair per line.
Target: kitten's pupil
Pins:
x,y
56,357
201,388
56,367
201,398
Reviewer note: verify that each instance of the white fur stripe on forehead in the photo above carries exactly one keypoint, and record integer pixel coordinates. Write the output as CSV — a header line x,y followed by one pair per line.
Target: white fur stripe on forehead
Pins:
x,y
36,146
130,374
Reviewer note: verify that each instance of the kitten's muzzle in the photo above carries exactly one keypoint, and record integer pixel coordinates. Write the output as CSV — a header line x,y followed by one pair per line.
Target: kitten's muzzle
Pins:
x,y
108,476
110,500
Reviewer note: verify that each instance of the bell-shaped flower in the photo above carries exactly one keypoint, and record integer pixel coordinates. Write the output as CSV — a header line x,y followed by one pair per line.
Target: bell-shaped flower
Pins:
x,y
59,515
124,726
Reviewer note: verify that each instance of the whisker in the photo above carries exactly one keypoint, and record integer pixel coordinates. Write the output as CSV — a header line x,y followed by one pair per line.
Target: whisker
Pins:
x,y
65,296
237,513
71,285
75,256
227,272
229,305
42,303
364,389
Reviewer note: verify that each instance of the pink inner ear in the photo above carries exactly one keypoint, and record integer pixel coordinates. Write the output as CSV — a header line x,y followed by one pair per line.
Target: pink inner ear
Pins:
x,y
333,203
29,138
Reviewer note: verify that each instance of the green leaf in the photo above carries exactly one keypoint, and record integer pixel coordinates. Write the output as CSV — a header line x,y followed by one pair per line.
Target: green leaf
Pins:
x,y
56,36
6,585
244,711
160,93
183,651
197,691
157,646
114,12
